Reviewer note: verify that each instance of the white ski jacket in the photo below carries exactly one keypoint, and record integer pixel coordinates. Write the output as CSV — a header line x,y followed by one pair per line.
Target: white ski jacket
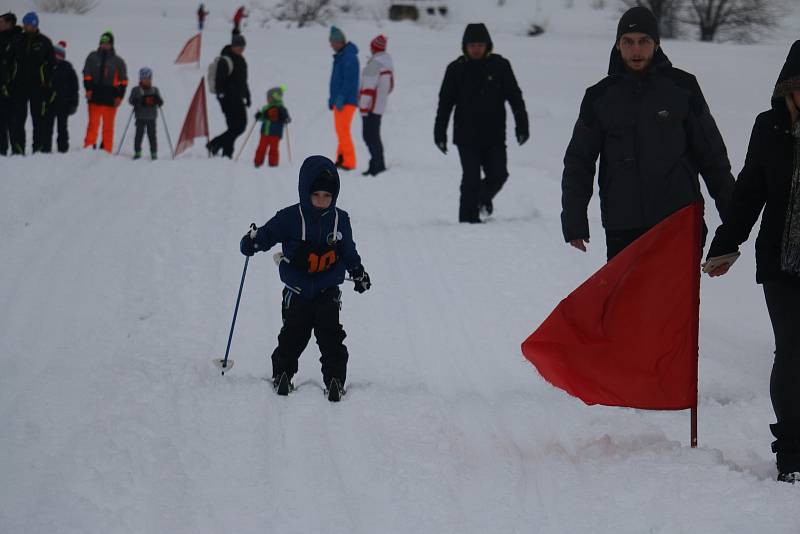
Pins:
x,y
377,81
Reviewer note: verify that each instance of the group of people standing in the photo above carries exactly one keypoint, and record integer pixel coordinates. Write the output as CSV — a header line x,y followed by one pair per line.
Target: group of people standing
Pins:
x,y
35,77
350,91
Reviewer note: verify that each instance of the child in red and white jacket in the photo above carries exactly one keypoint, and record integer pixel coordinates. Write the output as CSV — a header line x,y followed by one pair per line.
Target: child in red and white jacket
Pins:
x,y
377,81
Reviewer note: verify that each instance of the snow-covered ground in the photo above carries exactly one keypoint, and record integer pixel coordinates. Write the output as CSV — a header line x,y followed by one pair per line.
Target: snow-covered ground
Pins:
x,y
118,280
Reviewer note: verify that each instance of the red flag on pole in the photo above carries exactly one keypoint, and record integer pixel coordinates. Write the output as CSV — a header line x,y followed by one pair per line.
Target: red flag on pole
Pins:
x,y
191,51
196,122
628,335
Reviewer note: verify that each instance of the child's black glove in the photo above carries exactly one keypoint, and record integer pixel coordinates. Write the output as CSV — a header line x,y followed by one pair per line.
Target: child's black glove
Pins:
x,y
247,245
361,279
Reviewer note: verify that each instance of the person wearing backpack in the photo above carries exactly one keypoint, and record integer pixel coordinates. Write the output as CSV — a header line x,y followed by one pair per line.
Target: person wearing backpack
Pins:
x,y
230,85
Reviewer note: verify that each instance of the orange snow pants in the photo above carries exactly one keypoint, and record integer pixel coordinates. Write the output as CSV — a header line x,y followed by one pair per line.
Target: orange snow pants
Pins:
x,y
346,151
107,114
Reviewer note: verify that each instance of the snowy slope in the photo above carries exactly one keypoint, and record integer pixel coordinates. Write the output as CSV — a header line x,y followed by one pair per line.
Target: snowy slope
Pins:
x,y
118,281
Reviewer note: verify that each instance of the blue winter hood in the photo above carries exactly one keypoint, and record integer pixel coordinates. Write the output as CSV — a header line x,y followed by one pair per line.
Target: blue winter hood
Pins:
x,y
313,167
349,49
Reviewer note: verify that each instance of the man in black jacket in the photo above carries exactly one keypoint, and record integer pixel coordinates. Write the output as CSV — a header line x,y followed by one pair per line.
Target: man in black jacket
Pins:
x,y
233,95
30,84
8,32
478,84
653,131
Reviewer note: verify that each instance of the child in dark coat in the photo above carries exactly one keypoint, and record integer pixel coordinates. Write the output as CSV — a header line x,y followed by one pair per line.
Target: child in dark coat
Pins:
x,y
65,84
317,249
274,116
145,100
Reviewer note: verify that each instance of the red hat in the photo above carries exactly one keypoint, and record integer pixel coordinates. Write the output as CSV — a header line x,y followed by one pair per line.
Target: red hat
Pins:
x,y
60,49
378,44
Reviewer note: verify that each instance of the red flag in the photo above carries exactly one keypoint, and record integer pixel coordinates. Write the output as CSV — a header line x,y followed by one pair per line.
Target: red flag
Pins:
x,y
628,335
191,51
196,122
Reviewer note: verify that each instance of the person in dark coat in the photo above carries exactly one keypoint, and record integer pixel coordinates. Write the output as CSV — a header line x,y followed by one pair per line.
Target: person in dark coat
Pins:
x,y
478,84
65,84
317,249
31,84
202,13
770,182
233,96
653,131
8,32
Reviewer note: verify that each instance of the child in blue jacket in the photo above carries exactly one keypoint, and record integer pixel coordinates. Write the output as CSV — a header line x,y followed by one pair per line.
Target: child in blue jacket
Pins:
x,y
317,248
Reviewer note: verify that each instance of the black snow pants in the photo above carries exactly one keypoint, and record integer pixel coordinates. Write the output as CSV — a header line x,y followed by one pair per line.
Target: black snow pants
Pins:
x,y
474,190
52,119
236,120
5,125
300,317
783,304
372,137
141,126
19,116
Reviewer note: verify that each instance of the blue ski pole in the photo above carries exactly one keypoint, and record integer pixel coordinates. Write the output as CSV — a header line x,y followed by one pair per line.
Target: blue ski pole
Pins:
x,y
225,364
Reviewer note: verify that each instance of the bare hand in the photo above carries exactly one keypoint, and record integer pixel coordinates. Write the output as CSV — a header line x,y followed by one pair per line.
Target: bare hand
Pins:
x,y
719,271
580,244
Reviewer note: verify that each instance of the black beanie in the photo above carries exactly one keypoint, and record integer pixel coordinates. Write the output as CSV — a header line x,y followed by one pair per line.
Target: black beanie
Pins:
x,y
238,40
789,78
324,182
638,20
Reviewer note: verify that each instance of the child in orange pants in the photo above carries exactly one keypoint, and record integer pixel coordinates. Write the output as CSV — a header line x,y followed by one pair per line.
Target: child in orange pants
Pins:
x,y
274,116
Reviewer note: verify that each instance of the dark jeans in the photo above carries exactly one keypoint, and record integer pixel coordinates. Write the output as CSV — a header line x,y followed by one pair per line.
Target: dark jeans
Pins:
x,y
783,304
300,317
19,116
474,190
372,137
150,127
236,120
5,125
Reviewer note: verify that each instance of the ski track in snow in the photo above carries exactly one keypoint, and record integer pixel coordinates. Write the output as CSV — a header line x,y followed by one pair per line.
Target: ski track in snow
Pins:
x,y
119,280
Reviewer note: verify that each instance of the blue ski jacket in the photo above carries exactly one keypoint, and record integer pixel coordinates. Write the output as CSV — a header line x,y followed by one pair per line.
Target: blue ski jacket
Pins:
x,y
344,78
317,245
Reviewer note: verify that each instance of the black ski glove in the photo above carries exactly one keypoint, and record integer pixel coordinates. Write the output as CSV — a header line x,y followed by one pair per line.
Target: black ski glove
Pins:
x,y
361,279
522,137
248,245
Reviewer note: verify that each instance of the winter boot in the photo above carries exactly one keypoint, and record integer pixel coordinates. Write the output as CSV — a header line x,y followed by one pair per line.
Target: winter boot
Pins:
x,y
787,449
283,384
791,478
137,155
334,389
487,208
153,155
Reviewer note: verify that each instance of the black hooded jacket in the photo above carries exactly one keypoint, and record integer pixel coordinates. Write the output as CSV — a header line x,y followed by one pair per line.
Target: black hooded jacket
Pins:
x,y
232,84
653,133
7,55
764,184
30,64
479,89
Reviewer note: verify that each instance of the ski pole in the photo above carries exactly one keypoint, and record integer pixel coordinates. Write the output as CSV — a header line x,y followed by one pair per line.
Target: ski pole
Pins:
x,y
124,133
253,230
166,129
288,144
246,139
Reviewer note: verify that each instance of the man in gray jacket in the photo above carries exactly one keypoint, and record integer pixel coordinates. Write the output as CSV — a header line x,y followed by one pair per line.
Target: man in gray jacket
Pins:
x,y
651,127
105,79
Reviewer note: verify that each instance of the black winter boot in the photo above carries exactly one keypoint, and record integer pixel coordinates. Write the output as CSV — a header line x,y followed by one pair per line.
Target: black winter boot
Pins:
x,y
283,384
334,389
